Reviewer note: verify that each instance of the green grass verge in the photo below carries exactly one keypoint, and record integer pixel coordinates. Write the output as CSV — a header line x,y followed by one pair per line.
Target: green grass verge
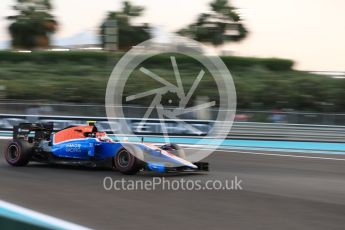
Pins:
x,y
82,77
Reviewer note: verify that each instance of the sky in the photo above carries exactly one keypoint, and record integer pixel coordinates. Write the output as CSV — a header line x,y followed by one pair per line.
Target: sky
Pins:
x,y
311,32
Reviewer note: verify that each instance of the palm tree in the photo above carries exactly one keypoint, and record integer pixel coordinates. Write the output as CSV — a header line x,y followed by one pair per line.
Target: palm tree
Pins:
x,y
221,26
128,35
32,26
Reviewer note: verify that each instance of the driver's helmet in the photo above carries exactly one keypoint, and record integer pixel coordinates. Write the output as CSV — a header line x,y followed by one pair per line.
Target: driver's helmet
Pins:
x,y
102,136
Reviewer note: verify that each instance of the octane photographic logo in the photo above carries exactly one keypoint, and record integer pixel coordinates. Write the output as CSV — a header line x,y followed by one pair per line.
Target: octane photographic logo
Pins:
x,y
209,70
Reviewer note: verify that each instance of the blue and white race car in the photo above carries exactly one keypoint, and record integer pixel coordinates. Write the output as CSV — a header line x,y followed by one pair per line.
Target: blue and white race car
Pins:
x,y
85,145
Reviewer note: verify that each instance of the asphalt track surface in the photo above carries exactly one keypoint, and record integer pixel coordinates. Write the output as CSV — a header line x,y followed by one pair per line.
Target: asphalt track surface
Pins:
x,y
279,192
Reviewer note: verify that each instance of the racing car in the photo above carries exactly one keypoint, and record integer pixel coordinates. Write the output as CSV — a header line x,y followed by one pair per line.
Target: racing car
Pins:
x,y
86,146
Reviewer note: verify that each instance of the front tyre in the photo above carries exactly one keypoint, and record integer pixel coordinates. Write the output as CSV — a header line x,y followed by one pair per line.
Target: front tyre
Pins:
x,y
18,153
127,163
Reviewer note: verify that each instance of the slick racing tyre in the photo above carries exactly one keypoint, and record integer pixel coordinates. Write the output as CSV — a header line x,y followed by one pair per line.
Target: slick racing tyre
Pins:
x,y
18,153
174,149
127,163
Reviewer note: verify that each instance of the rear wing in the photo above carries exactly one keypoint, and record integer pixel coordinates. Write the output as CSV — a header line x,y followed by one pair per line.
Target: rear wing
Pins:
x,y
33,131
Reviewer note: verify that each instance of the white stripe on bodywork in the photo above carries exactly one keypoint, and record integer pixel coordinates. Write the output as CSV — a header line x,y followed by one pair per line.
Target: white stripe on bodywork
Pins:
x,y
77,139
170,155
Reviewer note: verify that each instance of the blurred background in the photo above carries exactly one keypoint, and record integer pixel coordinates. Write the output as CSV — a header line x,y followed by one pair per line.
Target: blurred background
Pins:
x,y
286,57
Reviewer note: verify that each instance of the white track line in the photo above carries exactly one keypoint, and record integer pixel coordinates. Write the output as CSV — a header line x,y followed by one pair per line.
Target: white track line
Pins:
x,y
42,219
278,154
253,153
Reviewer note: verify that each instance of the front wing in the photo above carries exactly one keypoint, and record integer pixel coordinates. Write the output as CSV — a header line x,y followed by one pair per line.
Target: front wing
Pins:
x,y
201,166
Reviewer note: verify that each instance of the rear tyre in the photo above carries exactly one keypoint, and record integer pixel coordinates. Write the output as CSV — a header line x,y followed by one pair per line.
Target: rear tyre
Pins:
x,y
175,149
127,163
18,153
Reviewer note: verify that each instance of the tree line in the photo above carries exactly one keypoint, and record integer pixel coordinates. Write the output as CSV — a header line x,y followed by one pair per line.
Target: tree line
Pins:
x,y
33,25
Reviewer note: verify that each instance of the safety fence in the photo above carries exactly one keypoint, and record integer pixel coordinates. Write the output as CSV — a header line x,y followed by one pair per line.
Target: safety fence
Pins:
x,y
239,130
134,111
